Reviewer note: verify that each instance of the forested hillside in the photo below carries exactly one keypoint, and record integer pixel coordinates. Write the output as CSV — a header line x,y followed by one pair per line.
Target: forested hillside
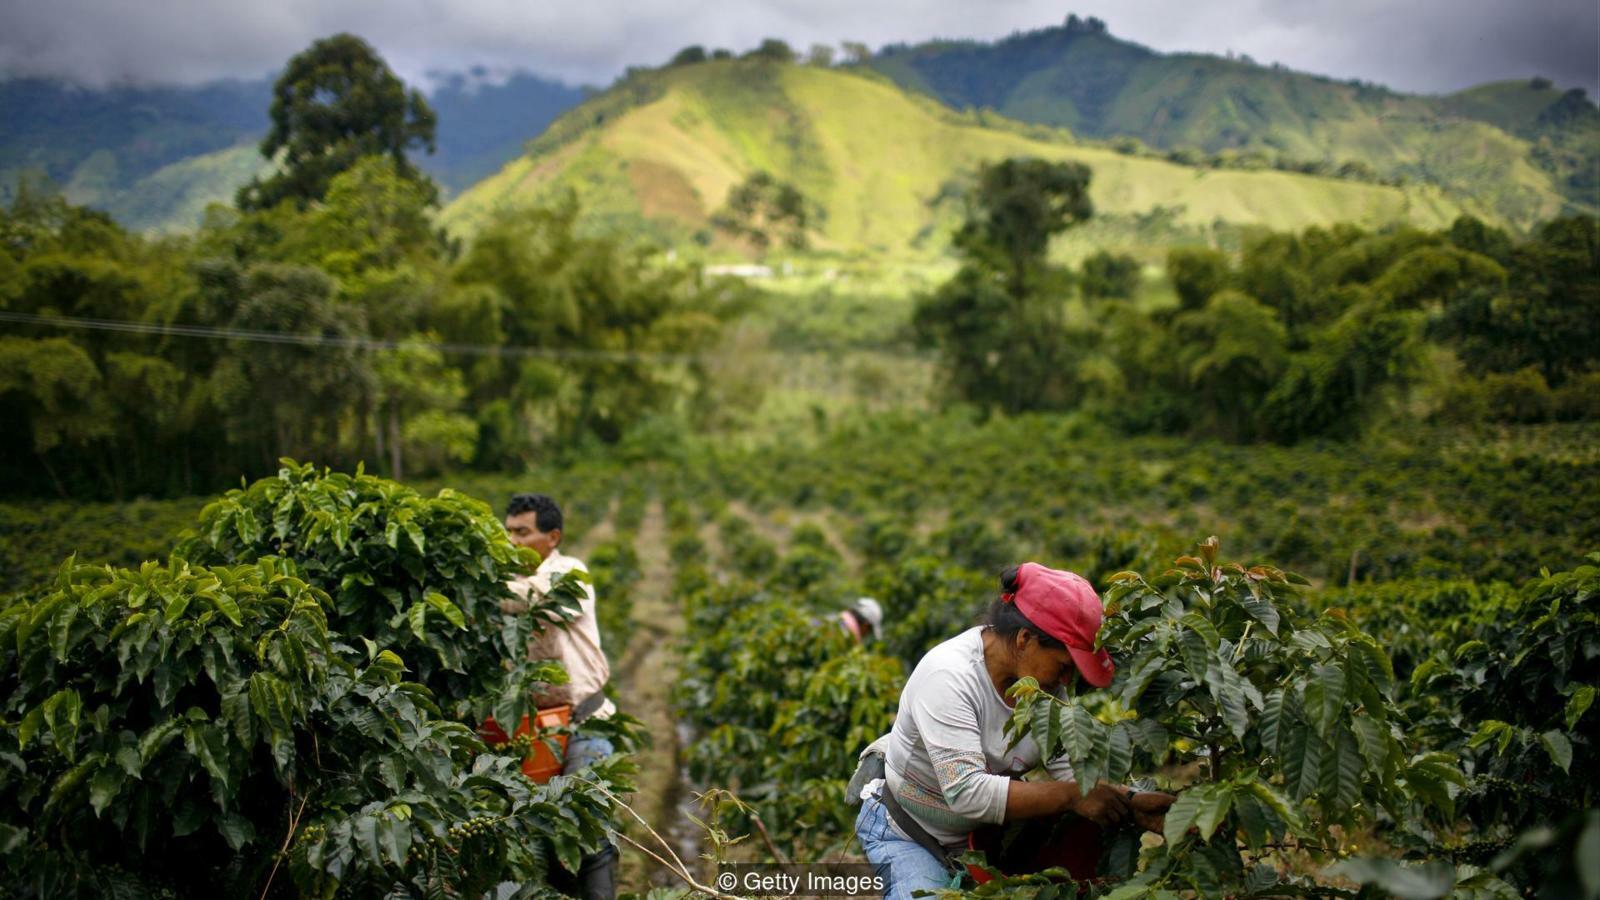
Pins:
x,y
1524,149
1513,152
874,168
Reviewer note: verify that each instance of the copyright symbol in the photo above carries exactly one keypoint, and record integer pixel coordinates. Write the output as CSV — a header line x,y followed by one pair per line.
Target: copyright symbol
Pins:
x,y
727,881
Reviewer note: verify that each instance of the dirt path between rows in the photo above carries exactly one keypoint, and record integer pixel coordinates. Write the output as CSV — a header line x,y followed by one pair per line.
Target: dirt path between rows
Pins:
x,y
644,676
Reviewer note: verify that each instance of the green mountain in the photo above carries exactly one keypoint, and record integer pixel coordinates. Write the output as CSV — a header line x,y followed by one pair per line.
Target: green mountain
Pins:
x,y
154,157
662,150
1482,144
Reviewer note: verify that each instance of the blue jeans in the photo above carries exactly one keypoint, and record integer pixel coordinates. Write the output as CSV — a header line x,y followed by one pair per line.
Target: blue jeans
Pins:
x,y
584,751
596,878
905,866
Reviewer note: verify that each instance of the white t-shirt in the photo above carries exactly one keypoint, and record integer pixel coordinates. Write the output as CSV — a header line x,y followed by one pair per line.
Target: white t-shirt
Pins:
x,y
576,645
947,761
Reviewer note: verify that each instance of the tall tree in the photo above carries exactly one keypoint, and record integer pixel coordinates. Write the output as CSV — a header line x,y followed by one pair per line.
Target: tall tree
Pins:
x,y
999,323
335,103
1017,207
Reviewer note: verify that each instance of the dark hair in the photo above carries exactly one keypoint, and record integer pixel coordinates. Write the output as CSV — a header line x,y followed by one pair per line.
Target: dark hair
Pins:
x,y
547,515
1006,619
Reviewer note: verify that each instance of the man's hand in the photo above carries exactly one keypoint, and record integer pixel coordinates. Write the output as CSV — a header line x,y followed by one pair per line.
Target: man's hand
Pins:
x,y
1150,809
513,607
1105,806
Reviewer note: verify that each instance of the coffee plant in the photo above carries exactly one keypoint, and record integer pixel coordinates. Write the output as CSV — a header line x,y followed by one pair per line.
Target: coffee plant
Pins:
x,y
1291,718
1511,688
420,576
289,706
782,699
185,730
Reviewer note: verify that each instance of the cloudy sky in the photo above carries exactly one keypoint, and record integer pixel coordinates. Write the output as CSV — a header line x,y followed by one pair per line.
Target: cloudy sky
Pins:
x,y
1414,45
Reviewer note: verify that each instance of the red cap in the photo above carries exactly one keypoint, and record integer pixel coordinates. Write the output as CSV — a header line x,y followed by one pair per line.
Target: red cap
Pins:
x,y
1066,607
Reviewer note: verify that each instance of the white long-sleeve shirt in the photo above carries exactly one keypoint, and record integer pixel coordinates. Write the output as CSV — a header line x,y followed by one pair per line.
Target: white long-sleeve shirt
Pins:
x,y
575,645
947,761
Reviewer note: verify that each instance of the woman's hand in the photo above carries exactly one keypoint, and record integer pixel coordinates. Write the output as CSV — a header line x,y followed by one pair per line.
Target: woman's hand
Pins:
x,y
1105,806
1150,809
513,607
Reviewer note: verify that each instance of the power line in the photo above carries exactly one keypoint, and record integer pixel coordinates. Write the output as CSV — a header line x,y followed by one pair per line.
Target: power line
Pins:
x,y
350,343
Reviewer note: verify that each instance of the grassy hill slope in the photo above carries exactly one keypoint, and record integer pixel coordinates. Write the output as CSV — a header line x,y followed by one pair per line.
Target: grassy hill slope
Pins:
x,y
662,150
1083,78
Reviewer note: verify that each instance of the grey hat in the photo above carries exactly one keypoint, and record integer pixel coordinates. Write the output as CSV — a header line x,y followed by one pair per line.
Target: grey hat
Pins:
x,y
870,611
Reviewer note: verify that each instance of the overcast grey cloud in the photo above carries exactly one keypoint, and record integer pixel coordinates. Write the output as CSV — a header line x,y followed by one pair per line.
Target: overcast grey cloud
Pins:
x,y
1426,46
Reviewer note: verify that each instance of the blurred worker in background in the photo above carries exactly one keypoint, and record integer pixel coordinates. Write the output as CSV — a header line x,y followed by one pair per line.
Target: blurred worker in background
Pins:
x,y
863,620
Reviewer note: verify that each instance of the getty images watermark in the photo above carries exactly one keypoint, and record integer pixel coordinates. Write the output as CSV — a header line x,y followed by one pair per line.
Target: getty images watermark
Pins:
x,y
801,880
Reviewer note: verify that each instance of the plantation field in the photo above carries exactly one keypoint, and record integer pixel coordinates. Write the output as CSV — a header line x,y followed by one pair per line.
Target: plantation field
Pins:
x,y
1440,503
716,566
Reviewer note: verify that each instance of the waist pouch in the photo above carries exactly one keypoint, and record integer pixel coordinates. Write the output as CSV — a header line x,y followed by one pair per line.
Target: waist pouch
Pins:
x,y
873,768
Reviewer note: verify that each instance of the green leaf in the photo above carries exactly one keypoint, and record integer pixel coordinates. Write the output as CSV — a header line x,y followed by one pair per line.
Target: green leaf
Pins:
x,y
128,759
1182,815
1120,757
1282,816
447,609
1559,747
228,607
366,834
1148,733
1435,778
1120,859
1076,736
107,782
1228,690
156,738
1341,773
205,742
29,726
1373,740
1302,762
1255,819
1374,665
1272,722
1203,627
68,784
1580,701
1311,641
395,839
417,618
177,605
61,714
61,631
235,829
1262,610
236,710
1196,654
1141,673
1325,698
1493,730
1213,811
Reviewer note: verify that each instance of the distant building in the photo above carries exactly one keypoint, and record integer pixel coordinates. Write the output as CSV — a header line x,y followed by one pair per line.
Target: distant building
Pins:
x,y
741,270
